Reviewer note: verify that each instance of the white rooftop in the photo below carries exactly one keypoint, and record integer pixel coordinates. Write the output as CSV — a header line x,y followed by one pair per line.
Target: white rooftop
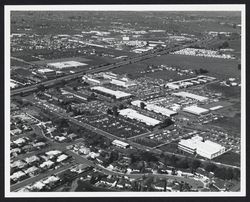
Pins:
x,y
190,95
135,115
118,142
155,108
207,148
61,158
118,94
45,70
51,179
53,152
66,64
195,109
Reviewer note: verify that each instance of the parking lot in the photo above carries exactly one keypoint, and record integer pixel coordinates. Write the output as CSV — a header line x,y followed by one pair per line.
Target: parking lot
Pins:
x,y
165,136
114,125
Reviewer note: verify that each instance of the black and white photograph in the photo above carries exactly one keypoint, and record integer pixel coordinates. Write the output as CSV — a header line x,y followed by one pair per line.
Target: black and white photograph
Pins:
x,y
125,100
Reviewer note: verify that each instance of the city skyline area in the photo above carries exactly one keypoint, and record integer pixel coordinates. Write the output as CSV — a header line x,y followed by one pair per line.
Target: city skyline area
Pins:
x,y
125,100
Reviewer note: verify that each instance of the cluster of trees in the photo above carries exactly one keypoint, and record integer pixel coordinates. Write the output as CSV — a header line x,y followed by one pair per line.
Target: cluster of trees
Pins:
x,y
183,163
114,110
222,172
225,44
110,158
200,71
61,123
142,105
143,156
239,66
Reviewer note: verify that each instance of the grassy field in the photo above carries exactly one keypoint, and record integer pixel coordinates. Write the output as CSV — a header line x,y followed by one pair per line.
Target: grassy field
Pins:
x,y
166,75
230,158
222,68
133,70
231,124
228,92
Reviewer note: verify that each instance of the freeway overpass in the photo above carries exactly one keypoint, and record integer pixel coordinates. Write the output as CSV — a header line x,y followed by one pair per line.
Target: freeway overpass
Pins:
x,y
96,70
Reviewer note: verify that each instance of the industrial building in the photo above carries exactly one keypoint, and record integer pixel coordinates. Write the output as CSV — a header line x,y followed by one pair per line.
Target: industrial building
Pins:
x,y
95,80
124,82
215,108
66,64
118,80
189,82
207,149
155,108
195,110
132,114
113,93
121,144
191,95
46,72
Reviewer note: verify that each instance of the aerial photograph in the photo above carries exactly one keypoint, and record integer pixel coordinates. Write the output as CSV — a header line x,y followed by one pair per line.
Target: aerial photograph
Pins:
x,y
125,101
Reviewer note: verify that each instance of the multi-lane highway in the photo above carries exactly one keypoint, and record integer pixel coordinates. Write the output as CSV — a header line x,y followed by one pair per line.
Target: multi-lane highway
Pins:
x,y
99,69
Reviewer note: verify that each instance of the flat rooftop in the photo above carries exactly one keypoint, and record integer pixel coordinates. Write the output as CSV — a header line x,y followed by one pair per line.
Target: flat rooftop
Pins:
x,y
66,64
133,114
118,94
190,95
195,109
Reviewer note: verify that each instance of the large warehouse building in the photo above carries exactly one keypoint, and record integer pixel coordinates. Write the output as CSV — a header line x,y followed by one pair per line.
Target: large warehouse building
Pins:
x,y
195,110
116,93
207,149
95,80
66,64
191,95
132,114
155,108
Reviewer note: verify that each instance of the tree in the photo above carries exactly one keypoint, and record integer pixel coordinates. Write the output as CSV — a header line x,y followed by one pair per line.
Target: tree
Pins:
x,y
109,111
41,87
121,106
225,44
63,82
220,173
239,66
62,123
115,111
203,71
210,167
142,105
173,160
195,164
92,96
229,174
196,71
236,174
113,156
183,163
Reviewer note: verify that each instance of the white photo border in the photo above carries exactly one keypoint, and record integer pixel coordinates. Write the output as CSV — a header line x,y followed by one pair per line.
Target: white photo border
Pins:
x,y
141,7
